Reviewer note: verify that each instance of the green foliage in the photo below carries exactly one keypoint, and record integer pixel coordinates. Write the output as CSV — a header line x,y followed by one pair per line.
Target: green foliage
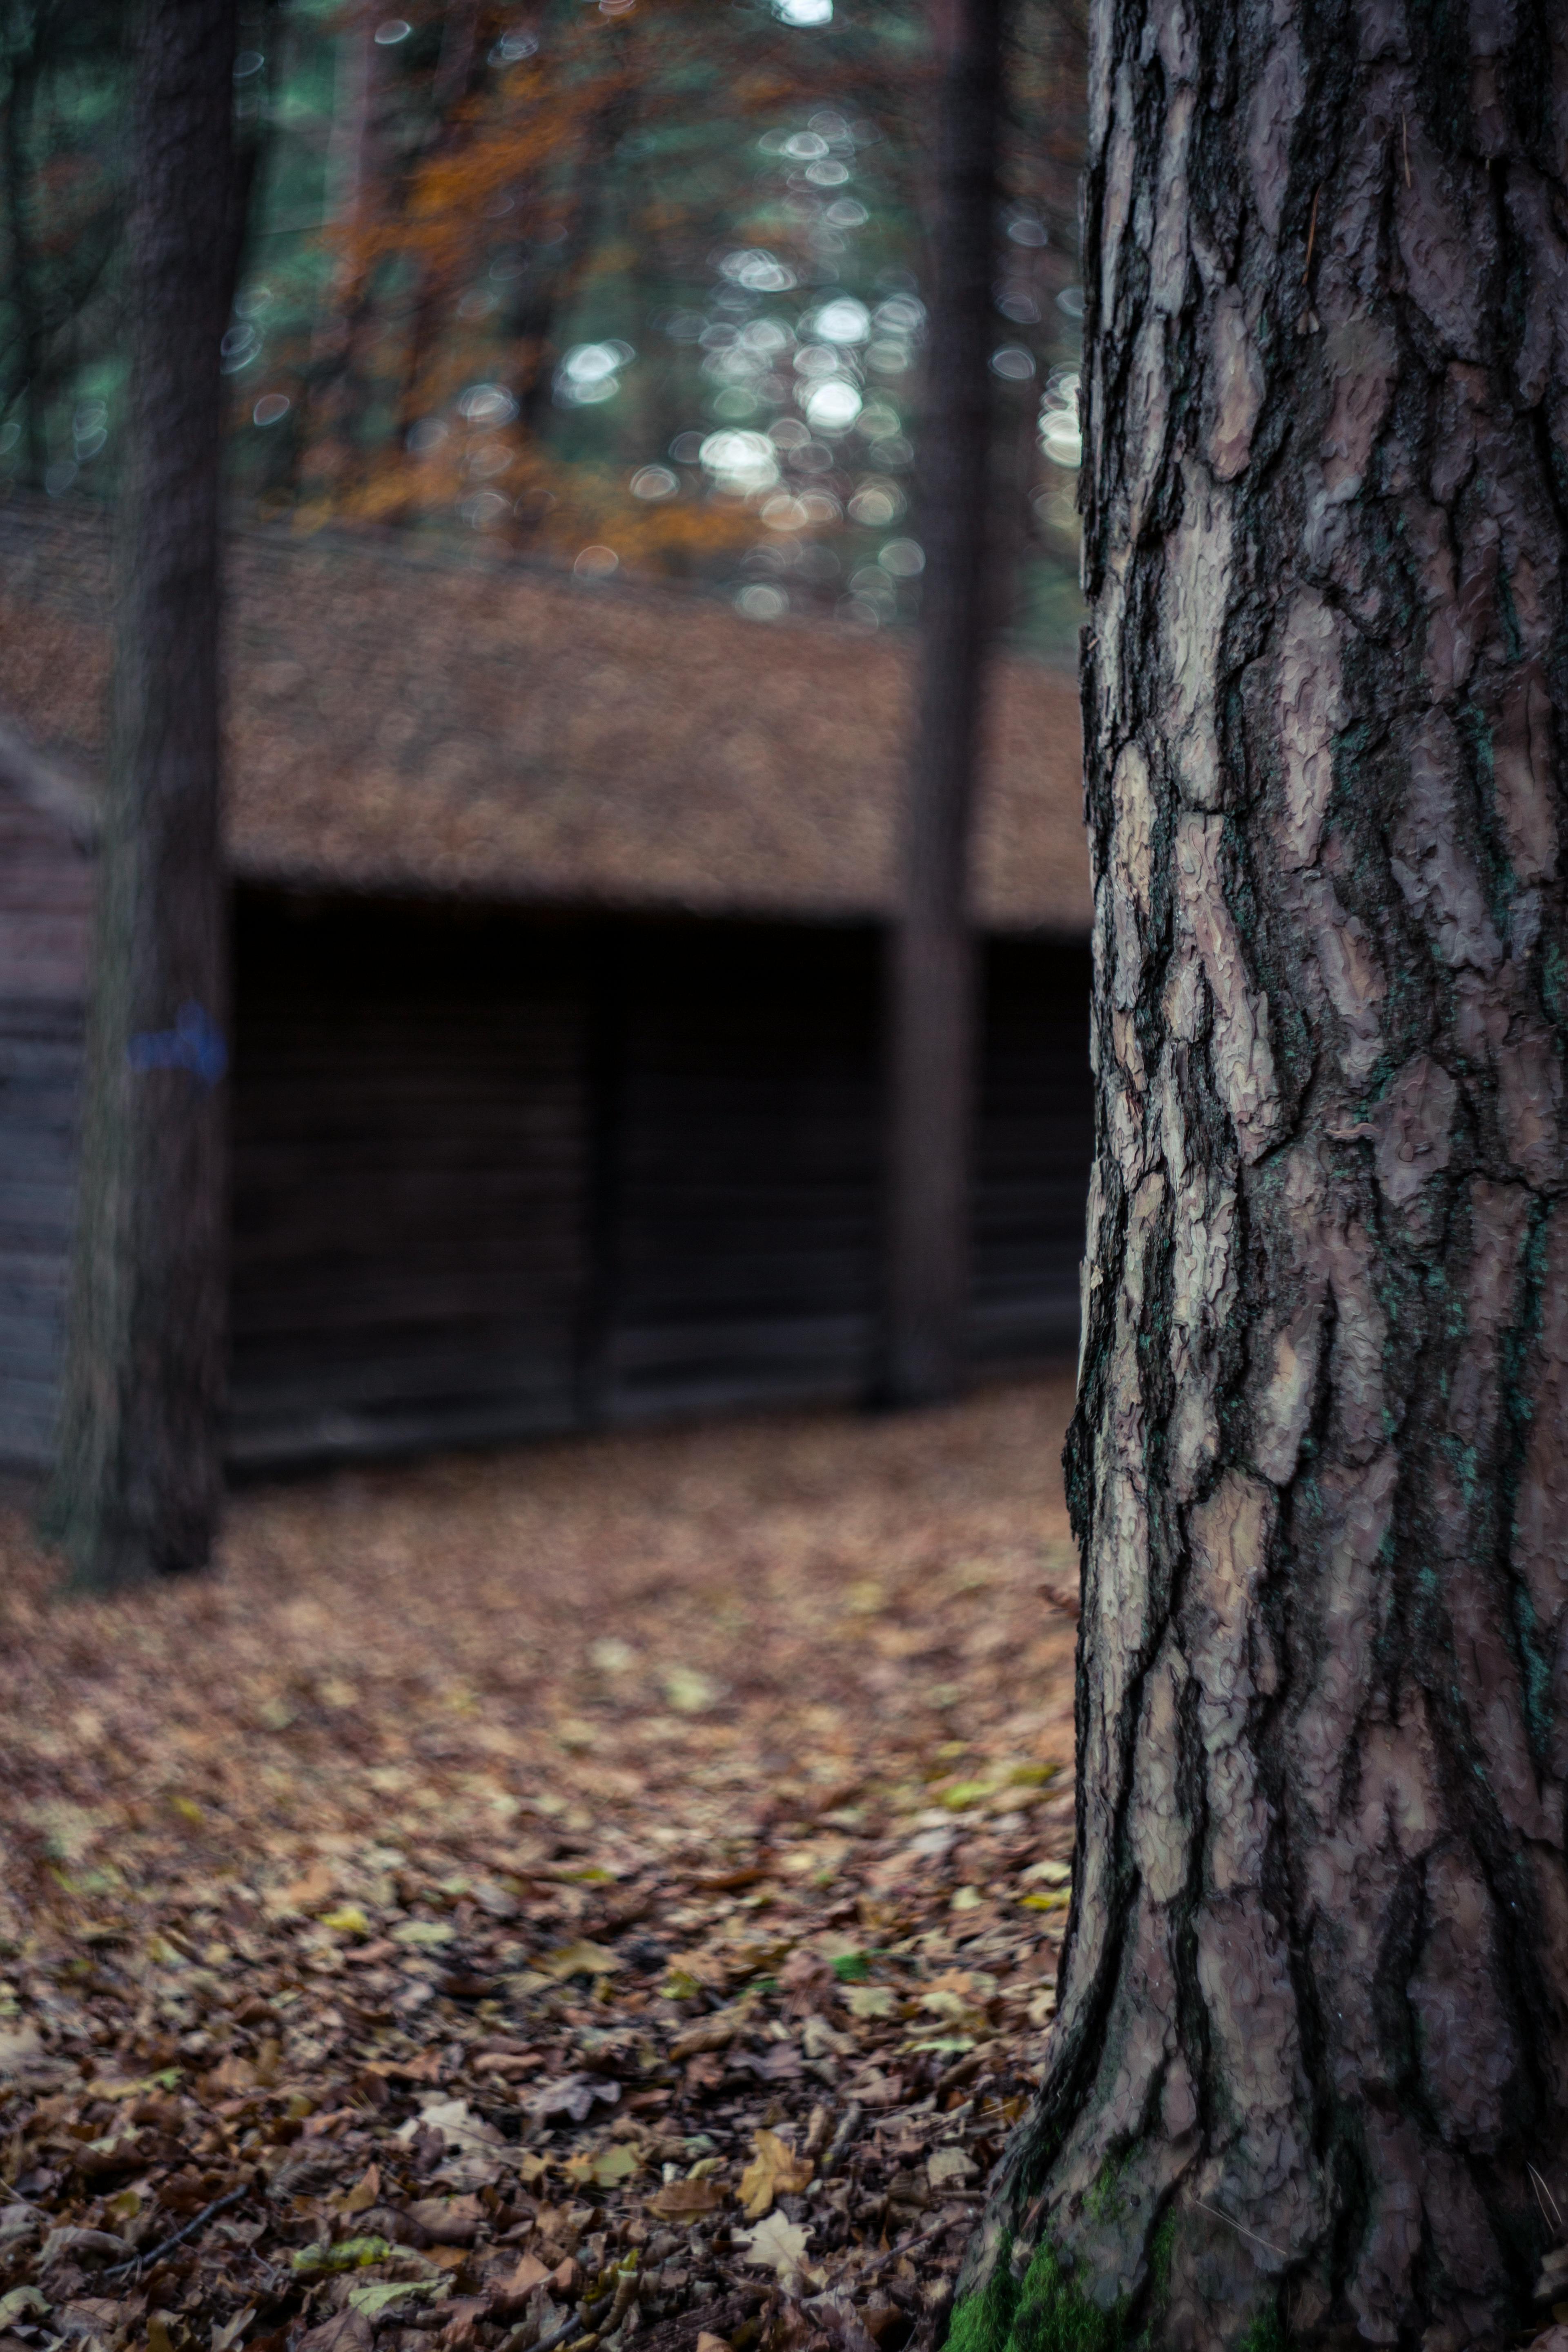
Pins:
x,y
454,227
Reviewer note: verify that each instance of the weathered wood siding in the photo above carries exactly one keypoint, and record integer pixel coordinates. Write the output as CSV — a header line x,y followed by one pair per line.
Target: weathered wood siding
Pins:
x,y
744,1239
410,1173
503,1174
45,912
1033,1150
498,1174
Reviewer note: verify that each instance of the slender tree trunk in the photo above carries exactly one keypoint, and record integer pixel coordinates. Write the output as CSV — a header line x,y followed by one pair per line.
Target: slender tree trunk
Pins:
x,y
1313,2009
139,1483
24,288
933,977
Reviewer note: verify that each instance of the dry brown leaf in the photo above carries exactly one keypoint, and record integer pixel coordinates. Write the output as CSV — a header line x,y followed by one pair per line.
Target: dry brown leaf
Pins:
x,y
346,2331
715,2032
686,2200
515,2290
447,2220
362,2195
774,2170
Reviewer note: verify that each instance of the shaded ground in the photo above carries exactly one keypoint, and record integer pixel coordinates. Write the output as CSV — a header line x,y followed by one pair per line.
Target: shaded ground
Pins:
x,y
607,1889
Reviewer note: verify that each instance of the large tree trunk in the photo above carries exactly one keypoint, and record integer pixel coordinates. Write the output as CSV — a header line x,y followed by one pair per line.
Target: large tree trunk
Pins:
x,y
1313,2009
933,982
139,1483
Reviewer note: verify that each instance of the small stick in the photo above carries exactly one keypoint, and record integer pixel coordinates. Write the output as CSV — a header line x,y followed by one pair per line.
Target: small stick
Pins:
x,y
896,2253
850,2125
208,2213
1405,134
514,2342
1311,234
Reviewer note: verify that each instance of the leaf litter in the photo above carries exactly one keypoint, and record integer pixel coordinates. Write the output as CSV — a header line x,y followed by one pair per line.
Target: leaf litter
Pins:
x,y
608,1891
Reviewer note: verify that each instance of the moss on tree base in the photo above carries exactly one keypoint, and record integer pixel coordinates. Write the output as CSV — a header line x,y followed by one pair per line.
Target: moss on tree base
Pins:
x,y
1046,2310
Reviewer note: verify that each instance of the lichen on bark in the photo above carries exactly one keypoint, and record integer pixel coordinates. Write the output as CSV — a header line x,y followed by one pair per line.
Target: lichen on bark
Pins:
x,y
1313,2003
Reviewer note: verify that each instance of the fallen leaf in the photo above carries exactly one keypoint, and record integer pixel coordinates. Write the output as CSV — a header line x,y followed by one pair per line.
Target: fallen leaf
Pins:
x,y
686,2200
380,2295
348,2254
348,1920
869,2000
459,2126
362,2195
714,2032
346,2331
607,2170
774,2170
23,2303
224,2339
689,1693
573,2095
776,2246
449,2221
424,1935
318,1885
580,1959
530,2272
20,2050
82,2246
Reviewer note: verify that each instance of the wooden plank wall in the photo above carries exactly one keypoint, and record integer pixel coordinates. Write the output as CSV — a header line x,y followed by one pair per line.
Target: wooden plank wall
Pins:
x,y
1033,1153
45,914
410,1178
746,1235
497,1174
502,1174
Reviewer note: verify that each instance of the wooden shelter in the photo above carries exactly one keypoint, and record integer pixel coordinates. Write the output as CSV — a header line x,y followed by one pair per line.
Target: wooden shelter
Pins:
x,y
558,924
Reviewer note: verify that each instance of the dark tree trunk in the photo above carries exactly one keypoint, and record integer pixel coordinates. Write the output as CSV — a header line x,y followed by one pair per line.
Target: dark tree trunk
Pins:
x,y
139,1483
1314,2008
934,980
24,287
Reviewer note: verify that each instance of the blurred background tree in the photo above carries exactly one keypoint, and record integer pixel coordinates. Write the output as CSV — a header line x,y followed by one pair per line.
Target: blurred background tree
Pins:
x,y
625,284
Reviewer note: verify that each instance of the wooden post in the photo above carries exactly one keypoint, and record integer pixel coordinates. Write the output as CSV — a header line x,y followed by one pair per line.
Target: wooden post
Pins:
x,y
933,980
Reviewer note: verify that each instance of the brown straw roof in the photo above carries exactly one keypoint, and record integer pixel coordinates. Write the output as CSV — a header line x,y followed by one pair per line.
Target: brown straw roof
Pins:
x,y
407,722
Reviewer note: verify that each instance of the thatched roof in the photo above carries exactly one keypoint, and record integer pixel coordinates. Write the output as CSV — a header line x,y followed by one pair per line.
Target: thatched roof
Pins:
x,y
404,721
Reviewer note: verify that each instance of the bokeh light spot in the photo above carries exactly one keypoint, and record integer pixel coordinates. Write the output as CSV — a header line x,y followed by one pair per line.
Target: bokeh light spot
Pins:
x,y
740,461
832,408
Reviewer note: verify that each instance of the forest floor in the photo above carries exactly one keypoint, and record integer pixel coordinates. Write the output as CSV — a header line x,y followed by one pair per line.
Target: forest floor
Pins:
x,y
609,1888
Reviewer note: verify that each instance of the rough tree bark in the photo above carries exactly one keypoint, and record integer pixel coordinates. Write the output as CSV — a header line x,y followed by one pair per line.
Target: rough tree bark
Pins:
x,y
139,1481
1313,2005
932,978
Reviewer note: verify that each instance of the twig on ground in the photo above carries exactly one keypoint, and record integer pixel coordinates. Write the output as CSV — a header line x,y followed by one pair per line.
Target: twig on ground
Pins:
x,y
140,2262
849,2129
911,2246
